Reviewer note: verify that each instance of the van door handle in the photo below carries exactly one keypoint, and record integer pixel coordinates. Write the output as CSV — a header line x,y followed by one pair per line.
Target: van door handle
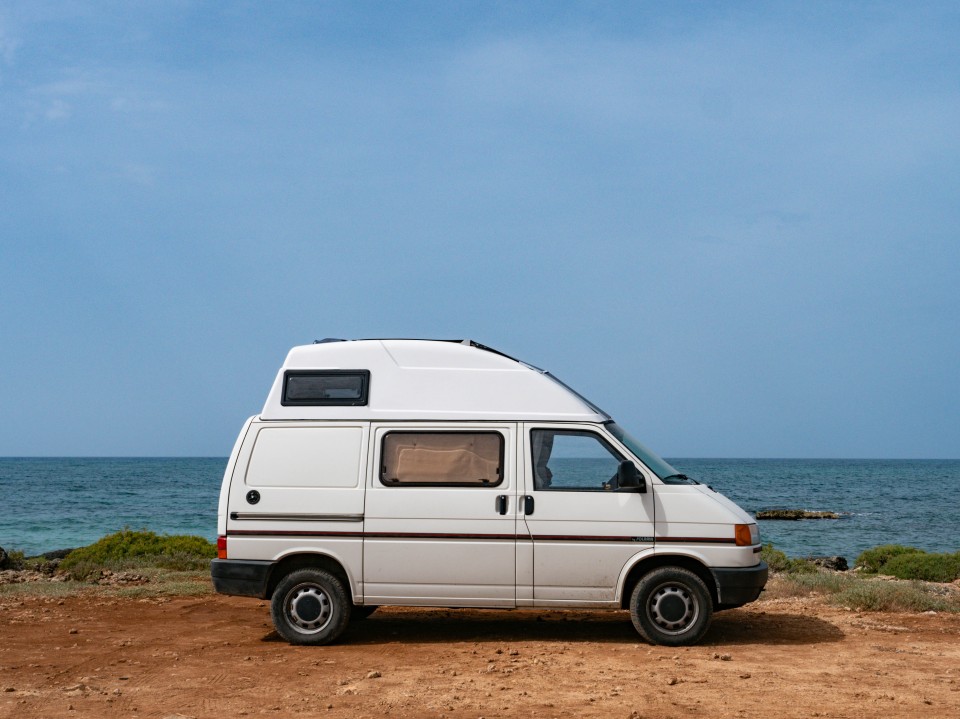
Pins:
x,y
528,504
502,504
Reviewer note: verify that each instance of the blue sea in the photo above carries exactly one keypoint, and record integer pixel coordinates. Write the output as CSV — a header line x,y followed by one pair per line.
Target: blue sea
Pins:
x,y
56,503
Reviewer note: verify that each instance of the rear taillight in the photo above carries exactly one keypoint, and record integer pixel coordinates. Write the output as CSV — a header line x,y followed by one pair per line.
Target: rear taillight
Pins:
x,y
221,547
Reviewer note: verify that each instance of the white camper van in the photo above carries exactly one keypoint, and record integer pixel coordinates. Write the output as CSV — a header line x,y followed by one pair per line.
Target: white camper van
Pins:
x,y
447,474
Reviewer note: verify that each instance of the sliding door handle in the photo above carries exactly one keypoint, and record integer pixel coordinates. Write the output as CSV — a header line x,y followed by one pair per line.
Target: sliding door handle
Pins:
x,y
502,504
527,504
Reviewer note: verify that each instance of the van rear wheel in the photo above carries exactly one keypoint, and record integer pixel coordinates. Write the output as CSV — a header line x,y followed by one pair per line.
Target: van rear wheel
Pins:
x,y
310,606
671,606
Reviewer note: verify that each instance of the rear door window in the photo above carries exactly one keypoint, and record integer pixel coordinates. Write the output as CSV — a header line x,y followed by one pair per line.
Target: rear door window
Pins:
x,y
442,458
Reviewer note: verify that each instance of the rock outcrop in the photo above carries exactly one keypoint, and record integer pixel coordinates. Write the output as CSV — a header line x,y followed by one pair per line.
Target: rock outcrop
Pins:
x,y
795,514
837,563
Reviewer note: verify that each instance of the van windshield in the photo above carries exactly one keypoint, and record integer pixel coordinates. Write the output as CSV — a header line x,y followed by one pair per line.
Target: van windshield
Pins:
x,y
654,462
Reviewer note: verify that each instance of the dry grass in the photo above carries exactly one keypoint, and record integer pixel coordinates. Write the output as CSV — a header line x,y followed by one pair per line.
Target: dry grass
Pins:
x,y
867,593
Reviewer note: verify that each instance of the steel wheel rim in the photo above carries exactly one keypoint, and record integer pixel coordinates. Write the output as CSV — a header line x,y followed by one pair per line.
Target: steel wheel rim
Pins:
x,y
309,609
673,608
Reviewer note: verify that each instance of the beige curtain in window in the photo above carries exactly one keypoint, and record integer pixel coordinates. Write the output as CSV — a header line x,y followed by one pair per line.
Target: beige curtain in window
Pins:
x,y
424,458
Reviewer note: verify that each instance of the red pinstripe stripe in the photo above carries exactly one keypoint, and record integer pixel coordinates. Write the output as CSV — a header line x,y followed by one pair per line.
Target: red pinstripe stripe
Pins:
x,y
510,537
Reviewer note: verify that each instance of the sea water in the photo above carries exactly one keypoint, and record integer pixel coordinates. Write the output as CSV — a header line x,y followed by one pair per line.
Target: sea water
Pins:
x,y
911,502
56,503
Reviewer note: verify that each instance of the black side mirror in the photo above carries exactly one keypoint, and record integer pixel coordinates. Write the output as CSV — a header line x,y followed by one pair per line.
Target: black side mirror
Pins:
x,y
628,476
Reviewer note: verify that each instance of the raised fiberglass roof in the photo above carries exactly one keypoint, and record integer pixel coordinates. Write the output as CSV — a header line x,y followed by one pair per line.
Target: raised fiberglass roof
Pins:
x,y
432,380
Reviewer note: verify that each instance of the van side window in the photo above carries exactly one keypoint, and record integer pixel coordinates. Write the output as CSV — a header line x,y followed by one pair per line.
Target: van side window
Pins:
x,y
442,459
313,388
571,460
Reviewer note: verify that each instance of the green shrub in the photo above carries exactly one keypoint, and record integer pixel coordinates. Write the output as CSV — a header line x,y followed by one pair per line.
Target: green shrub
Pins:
x,y
873,560
128,549
780,562
15,559
924,566
910,563
775,559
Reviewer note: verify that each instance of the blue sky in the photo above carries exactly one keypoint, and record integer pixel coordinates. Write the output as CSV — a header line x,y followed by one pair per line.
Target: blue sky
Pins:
x,y
734,226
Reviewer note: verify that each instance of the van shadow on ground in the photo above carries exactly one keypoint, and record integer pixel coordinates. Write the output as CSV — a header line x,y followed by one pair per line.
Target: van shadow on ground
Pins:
x,y
469,625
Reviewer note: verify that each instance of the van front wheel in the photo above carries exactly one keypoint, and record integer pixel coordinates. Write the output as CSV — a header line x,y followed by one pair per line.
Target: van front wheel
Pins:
x,y
310,606
671,606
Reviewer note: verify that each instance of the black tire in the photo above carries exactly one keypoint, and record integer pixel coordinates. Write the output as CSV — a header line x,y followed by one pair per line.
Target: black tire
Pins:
x,y
671,606
310,606
363,612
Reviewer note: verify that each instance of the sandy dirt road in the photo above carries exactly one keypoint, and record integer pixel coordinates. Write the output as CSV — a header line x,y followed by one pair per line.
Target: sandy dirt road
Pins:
x,y
212,656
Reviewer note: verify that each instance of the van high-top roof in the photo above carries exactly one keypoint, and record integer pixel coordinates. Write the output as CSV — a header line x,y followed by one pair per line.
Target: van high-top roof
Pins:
x,y
408,379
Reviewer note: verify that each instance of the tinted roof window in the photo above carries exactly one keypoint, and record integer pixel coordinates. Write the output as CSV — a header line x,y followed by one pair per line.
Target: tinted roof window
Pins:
x,y
328,387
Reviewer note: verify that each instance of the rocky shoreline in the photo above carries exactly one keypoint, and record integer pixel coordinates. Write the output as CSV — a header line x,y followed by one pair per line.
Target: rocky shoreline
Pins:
x,y
44,568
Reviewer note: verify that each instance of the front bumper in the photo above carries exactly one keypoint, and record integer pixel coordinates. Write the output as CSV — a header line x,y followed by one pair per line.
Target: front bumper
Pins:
x,y
737,586
242,577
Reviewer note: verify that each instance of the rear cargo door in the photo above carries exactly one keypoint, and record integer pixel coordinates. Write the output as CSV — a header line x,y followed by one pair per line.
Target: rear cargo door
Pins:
x,y
298,488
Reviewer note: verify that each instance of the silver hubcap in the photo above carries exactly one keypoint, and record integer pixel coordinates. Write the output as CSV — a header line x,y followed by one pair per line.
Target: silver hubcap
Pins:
x,y
673,608
308,608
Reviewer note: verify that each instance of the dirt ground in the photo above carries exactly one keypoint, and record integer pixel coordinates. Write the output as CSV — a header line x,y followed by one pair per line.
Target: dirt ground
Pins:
x,y
213,656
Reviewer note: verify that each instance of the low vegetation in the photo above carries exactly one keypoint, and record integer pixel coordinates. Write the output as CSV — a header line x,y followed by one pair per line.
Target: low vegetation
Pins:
x,y
128,550
870,588
903,562
143,563
13,559
780,562
126,563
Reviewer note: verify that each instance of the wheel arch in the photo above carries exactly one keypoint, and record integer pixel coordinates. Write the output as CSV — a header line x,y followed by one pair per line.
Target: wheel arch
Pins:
x,y
308,560
655,561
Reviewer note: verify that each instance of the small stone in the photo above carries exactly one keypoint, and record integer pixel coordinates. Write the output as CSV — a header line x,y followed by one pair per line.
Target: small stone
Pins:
x,y
725,657
744,676
374,674
9,689
74,631
673,681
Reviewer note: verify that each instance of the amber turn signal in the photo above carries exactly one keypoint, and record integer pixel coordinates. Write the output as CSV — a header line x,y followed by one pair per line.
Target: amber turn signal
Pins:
x,y
744,534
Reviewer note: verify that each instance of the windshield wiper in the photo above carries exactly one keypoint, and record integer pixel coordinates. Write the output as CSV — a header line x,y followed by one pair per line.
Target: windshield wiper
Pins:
x,y
681,477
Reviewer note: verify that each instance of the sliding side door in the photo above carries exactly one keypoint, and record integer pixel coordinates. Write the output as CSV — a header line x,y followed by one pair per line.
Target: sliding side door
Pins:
x,y
440,515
